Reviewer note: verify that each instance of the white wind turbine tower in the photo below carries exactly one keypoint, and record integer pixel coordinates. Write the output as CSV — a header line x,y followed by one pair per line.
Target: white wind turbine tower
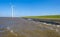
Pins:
x,y
12,10
12,15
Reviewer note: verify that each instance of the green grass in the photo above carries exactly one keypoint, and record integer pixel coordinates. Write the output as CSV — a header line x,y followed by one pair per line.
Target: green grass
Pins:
x,y
48,16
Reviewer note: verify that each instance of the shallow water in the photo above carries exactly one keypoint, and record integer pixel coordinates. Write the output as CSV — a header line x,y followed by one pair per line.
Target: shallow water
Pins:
x,y
19,27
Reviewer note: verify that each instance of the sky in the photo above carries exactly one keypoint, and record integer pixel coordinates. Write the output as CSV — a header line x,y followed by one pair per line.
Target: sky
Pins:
x,y
29,8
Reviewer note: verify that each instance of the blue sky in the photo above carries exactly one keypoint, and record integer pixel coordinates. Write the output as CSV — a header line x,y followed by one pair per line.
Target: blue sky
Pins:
x,y
29,7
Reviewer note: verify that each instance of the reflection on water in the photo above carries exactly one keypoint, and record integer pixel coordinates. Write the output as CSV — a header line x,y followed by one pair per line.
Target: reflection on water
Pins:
x,y
4,31
19,27
2,28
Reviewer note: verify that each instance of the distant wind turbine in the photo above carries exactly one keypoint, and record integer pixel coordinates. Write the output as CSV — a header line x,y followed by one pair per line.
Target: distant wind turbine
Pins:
x,y
12,10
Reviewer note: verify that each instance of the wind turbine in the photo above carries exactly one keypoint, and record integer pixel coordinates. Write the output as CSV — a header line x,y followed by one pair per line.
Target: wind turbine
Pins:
x,y
12,10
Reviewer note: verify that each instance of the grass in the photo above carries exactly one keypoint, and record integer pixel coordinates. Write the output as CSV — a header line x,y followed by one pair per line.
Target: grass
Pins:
x,y
48,16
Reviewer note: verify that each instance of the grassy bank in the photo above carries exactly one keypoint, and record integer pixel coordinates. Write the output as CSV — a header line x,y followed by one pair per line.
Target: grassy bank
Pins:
x,y
45,17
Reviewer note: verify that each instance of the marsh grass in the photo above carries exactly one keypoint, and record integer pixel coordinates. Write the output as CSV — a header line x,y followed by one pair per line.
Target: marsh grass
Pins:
x,y
45,17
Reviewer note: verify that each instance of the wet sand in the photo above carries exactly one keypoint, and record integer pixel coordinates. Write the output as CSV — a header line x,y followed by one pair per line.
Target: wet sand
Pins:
x,y
26,28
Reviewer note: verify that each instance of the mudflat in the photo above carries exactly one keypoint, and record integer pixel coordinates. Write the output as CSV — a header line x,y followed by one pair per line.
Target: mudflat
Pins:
x,y
26,28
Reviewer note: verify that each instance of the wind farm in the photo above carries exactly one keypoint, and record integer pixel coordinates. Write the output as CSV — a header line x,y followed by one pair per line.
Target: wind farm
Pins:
x,y
31,18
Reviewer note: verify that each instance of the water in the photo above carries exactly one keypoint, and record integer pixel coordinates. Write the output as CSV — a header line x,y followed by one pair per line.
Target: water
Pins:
x,y
5,27
19,27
